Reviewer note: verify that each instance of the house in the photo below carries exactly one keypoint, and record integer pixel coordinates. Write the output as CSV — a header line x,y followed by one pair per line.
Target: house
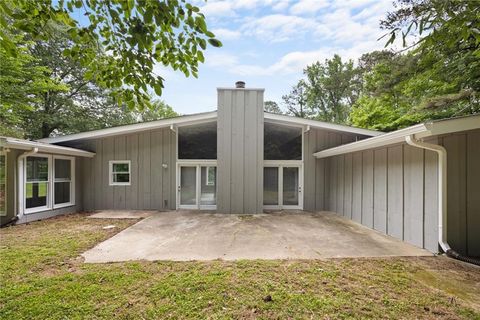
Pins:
x,y
240,159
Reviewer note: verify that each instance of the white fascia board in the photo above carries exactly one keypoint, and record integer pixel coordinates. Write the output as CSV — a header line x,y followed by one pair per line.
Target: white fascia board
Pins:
x,y
137,127
378,141
44,147
320,124
420,131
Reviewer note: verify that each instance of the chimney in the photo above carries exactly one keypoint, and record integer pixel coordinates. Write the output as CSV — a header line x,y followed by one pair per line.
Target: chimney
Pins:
x,y
240,84
240,149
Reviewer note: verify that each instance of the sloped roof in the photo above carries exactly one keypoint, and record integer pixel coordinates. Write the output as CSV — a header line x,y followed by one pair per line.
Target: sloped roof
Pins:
x,y
198,118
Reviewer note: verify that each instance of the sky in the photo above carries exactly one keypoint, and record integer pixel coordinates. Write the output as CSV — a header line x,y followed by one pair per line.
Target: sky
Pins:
x,y
268,43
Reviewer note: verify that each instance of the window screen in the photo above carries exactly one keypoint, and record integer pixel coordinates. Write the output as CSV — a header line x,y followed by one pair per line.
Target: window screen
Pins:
x,y
198,141
282,142
36,186
63,181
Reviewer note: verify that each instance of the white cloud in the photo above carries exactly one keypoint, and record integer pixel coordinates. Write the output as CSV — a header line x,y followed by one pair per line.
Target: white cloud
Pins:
x,y
226,34
278,27
308,6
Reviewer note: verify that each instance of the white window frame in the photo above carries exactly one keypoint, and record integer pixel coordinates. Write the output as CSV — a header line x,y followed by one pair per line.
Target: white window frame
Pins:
x,y
48,205
72,182
111,173
50,188
3,153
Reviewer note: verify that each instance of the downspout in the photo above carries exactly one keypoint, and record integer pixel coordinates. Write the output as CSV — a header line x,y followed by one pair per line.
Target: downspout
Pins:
x,y
21,178
442,197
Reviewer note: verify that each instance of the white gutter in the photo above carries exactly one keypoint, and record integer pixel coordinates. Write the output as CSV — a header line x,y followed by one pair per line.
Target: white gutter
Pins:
x,y
374,142
422,130
442,186
20,177
45,147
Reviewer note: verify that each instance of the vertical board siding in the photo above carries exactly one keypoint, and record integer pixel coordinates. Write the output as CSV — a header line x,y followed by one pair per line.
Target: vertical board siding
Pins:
x,y
357,187
367,188
131,196
321,144
348,186
380,190
240,151
456,182
395,192
310,170
150,183
473,193
413,195
119,191
430,228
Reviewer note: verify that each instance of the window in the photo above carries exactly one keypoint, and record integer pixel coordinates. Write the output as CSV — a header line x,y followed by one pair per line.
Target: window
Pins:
x,y
282,142
198,141
3,184
49,182
120,173
62,190
210,176
37,182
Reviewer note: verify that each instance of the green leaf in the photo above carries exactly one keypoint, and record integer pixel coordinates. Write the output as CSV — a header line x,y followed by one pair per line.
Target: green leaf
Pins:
x,y
215,42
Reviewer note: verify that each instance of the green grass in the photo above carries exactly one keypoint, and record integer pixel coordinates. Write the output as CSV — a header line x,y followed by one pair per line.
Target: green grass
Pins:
x,y
43,277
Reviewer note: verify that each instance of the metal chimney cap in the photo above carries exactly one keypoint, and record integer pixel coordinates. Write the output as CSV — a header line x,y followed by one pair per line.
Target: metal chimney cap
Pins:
x,y
240,84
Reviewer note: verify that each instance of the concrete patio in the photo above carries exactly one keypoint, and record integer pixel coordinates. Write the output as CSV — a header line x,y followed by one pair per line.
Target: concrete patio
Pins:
x,y
193,235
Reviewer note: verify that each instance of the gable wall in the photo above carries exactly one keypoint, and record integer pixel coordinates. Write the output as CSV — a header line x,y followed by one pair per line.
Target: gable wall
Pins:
x,y
152,186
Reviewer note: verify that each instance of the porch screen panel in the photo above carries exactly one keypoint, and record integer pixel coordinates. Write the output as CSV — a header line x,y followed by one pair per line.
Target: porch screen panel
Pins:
x,y
37,183
198,141
3,184
282,142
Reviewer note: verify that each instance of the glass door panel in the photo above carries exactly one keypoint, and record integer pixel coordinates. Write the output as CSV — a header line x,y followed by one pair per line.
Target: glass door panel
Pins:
x,y
290,186
188,186
208,187
270,186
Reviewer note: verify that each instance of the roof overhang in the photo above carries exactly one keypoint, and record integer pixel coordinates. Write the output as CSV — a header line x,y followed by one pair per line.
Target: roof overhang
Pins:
x,y
199,118
319,124
419,131
12,143
137,127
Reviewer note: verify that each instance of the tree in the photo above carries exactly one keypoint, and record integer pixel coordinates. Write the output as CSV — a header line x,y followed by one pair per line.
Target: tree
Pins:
x,y
296,101
136,34
327,92
272,107
44,93
22,81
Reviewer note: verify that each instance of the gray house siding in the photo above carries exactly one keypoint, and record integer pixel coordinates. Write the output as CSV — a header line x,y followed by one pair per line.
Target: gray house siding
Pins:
x,y
152,186
317,171
240,151
394,190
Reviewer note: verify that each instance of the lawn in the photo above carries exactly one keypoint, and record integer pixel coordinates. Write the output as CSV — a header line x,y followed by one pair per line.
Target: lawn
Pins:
x,y
42,276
